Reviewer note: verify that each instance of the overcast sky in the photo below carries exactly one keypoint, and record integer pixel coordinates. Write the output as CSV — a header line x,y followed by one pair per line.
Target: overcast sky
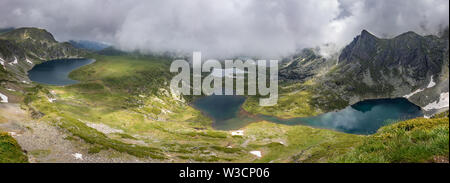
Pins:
x,y
225,28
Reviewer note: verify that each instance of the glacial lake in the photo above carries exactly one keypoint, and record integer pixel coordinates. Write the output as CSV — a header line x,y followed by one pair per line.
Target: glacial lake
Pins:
x,y
364,117
56,72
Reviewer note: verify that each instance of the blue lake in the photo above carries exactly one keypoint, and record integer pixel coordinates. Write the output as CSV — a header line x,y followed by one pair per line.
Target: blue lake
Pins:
x,y
365,117
56,72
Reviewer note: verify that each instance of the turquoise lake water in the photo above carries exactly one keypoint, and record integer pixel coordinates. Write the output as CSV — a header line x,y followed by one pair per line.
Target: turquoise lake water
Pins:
x,y
55,72
365,117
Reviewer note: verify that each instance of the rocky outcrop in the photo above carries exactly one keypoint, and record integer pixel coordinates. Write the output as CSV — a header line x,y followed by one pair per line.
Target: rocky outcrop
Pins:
x,y
305,65
409,65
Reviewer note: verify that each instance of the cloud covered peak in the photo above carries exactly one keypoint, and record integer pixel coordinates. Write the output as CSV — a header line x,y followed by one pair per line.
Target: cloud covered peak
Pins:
x,y
225,28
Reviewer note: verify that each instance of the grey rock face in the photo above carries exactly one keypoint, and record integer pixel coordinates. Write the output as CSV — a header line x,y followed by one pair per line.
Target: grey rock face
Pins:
x,y
305,65
371,67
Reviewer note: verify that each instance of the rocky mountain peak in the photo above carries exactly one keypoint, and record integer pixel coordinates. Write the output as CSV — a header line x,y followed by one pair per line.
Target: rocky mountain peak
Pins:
x,y
367,36
29,34
408,35
365,33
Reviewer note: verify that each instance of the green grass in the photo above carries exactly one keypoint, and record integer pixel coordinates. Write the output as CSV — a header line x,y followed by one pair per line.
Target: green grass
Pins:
x,y
294,100
92,136
415,140
10,151
282,143
115,91
131,74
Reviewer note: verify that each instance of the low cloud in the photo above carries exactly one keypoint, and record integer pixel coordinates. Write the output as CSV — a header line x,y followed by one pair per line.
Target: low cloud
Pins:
x,y
225,28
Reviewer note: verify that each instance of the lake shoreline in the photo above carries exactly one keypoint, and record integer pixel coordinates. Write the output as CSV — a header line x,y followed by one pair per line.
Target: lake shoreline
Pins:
x,y
396,109
57,72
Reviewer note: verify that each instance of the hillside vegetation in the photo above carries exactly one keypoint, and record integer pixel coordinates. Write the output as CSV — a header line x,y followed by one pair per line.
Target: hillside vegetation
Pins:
x,y
123,104
10,151
152,123
415,140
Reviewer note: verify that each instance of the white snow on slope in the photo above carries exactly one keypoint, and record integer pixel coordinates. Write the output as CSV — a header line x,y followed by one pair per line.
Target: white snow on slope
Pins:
x,y
51,100
256,153
29,61
14,62
4,98
432,83
2,62
78,156
439,104
237,133
413,93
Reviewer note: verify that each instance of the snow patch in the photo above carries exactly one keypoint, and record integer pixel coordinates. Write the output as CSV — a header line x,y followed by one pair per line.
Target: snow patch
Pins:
x,y
4,98
413,93
2,62
443,102
256,153
51,100
432,83
14,62
9,89
237,133
78,156
29,61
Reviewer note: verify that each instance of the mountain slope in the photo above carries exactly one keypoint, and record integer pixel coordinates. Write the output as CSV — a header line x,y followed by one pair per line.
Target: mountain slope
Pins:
x,y
21,49
305,65
409,65
10,151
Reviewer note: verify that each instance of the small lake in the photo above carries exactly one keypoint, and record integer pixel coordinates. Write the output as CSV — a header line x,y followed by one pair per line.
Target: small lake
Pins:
x,y
365,117
56,72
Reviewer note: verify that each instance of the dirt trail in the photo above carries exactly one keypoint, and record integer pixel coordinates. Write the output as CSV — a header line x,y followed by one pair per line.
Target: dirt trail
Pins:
x,y
44,142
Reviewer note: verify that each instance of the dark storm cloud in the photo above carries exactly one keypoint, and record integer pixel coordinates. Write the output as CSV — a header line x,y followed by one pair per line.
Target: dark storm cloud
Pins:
x,y
263,28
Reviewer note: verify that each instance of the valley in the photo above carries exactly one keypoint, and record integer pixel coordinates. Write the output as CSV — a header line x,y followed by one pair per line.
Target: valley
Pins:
x,y
122,110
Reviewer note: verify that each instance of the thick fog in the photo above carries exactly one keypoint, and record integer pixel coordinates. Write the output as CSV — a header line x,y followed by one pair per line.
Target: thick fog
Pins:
x,y
225,28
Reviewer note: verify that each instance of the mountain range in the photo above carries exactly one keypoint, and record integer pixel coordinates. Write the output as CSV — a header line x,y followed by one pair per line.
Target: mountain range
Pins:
x,y
123,110
408,65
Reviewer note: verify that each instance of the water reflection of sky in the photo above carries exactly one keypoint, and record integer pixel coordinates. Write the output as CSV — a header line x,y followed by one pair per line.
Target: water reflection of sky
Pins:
x,y
362,118
365,117
56,72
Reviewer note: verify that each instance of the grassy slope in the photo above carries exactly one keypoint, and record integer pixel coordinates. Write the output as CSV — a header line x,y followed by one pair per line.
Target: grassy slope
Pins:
x,y
297,100
10,151
415,140
128,93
